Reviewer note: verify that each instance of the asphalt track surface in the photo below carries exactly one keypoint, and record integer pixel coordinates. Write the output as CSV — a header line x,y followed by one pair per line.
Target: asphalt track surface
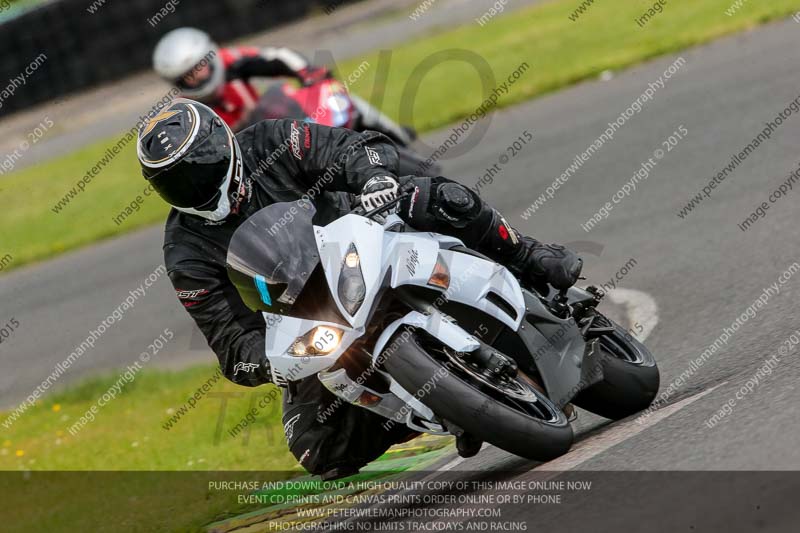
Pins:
x,y
702,271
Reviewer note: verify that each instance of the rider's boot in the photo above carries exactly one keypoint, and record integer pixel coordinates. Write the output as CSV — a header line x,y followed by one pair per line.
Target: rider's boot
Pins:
x,y
467,445
533,262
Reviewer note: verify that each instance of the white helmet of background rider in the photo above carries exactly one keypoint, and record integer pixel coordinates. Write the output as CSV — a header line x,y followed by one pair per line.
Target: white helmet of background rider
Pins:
x,y
189,58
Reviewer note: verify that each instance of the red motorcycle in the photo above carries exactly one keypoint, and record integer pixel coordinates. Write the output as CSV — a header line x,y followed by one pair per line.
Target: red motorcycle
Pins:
x,y
329,103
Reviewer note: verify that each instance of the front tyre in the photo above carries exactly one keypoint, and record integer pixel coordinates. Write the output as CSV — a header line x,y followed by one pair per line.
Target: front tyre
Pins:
x,y
536,430
630,377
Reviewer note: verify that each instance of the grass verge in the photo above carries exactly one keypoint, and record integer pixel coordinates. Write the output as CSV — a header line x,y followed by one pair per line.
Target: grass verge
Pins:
x,y
151,502
129,433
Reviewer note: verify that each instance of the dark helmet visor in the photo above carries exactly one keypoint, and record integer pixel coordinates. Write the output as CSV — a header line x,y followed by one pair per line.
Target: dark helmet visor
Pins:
x,y
194,180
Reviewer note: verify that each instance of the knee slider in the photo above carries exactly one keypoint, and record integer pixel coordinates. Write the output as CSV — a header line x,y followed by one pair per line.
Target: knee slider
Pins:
x,y
442,205
455,204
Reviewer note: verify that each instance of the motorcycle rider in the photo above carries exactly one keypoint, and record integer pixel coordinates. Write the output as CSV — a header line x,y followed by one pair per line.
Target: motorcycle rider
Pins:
x,y
220,78
214,181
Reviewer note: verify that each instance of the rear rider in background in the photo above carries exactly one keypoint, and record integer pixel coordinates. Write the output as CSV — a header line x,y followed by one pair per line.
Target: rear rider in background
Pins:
x,y
220,78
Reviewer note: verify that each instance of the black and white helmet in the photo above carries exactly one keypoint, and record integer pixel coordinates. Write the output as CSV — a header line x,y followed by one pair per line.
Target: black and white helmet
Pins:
x,y
184,50
191,158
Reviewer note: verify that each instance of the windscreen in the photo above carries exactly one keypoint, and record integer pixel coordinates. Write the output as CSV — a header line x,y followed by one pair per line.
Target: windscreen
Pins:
x,y
272,255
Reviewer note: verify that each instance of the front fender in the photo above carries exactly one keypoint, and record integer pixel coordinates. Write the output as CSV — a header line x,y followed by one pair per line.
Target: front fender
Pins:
x,y
437,325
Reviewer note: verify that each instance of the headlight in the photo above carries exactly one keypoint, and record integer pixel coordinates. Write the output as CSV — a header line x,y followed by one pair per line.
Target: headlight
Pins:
x,y
351,282
441,274
351,260
321,340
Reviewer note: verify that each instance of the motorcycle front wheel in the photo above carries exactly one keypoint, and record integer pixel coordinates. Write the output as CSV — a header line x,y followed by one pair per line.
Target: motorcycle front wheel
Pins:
x,y
508,413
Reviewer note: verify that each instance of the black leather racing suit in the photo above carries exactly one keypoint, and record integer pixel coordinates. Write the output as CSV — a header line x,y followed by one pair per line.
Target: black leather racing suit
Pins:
x,y
286,160
283,161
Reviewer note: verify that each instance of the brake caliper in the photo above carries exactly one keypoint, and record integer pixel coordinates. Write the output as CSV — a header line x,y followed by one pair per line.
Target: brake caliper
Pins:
x,y
493,363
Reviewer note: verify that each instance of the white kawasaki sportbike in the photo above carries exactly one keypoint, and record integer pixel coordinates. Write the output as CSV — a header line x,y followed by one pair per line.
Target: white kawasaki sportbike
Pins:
x,y
428,333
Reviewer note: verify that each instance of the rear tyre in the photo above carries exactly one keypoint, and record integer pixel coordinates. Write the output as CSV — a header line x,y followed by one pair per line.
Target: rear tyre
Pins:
x,y
537,430
630,377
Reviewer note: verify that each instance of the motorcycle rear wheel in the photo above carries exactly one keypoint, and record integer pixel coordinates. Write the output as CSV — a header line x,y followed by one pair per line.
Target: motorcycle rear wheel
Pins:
x,y
630,377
